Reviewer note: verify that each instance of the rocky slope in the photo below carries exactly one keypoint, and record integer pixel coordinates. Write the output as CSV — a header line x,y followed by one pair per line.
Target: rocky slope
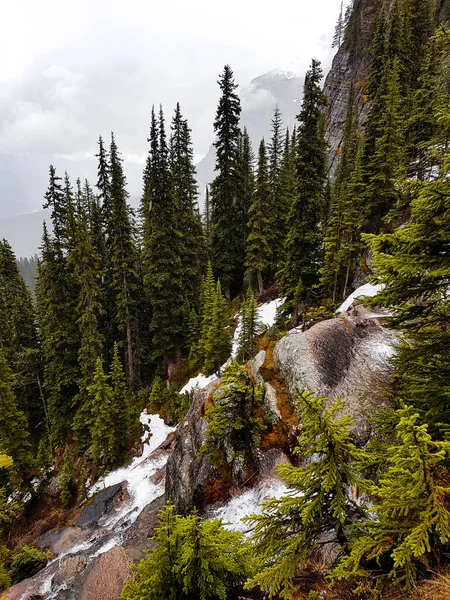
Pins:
x,y
347,355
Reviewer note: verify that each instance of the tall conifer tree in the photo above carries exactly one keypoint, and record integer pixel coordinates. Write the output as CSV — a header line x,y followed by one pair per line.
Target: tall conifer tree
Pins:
x,y
303,256
124,265
227,249
258,240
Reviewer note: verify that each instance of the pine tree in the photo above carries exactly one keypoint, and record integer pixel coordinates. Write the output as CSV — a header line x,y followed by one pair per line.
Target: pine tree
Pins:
x,y
103,421
258,240
120,408
289,527
13,427
124,260
217,346
192,242
339,30
303,255
277,212
227,255
85,264
251,328
191,559
67,475
411,521
163,275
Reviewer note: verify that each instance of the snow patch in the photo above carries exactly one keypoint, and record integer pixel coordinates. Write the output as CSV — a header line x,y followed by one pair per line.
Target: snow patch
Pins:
x,y
267,314
248,503
367,290
141,490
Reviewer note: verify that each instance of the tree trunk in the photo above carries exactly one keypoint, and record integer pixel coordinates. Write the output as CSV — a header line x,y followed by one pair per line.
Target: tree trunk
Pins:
x,y
260,282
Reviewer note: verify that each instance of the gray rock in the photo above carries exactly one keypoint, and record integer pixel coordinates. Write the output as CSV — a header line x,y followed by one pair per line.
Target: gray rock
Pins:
x,y
346,356
69,569
61,540
186,473
102,503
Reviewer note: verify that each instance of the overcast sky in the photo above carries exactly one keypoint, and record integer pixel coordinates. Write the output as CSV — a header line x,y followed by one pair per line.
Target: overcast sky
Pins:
x,y
72,70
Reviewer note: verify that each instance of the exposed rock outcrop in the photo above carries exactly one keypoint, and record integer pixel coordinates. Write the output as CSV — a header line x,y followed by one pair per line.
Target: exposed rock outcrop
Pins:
x,y
351,64
346,356
187,474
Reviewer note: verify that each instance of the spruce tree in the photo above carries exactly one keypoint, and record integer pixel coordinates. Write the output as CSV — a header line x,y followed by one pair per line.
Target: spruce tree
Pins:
x,y
18,338
412,262
207,295
244,197
319,502
303,255
120,408
339,29
84,261
163,276
13,427
277,212
57,297
411,520
288,189
227,247
124,261
192,242
251,327
103,421
191,559
259,234
386,163
67,475
342,235
217,345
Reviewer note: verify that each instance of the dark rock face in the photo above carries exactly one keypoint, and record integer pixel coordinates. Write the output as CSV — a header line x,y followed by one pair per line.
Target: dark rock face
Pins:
x,y
346,356
186,473
102,504
351,64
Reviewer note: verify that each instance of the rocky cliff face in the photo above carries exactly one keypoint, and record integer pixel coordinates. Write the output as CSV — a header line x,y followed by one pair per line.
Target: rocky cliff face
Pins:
x,y
350,65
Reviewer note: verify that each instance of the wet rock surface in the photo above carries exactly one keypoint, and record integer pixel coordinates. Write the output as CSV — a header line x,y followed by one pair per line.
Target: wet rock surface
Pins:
x,y
102,503
346,356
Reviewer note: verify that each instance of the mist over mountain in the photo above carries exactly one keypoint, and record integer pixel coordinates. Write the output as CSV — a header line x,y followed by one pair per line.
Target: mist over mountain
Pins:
x,y
24,178
280,87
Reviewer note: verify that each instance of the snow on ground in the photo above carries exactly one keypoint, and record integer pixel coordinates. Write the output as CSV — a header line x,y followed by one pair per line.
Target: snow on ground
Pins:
x,y
249,502
141,490
367,290
267,314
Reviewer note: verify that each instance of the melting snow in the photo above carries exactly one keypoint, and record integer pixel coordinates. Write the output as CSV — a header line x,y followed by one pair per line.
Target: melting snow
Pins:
x,y
367,290
249,503
142,491
267,314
